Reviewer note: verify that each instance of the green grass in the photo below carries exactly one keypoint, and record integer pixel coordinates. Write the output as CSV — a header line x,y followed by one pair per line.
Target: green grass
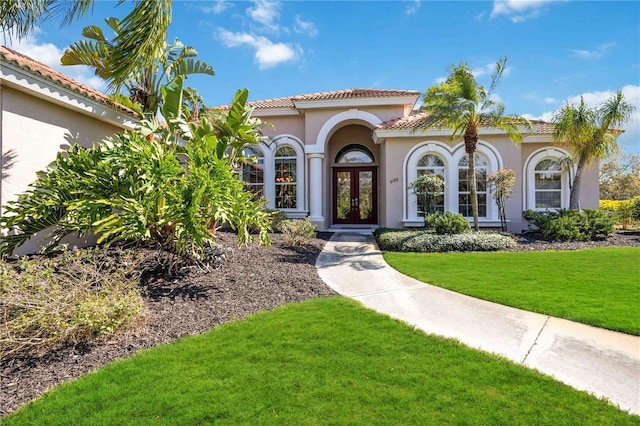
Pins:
x,y
325,361
599,286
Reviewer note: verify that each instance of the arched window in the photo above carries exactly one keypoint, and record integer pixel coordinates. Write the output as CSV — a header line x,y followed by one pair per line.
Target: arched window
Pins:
x,y
252,171
286,178
548,184
464,189
433,165
354,154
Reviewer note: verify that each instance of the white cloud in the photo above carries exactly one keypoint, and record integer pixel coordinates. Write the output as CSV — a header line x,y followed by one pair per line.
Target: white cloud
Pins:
x,y
268,54
50,54
520,10
550,100
266,12
413,7
488,69
218,7
305,27
598,52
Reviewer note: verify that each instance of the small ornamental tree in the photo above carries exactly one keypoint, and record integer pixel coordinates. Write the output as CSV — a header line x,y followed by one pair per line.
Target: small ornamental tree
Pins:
x,y
427,187
502,183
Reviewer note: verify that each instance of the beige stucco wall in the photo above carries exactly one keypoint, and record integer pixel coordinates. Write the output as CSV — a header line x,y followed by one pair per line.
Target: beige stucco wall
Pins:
x,y
392,152
33,131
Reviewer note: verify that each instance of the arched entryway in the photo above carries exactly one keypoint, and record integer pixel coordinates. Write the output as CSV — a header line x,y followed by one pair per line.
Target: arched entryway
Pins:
x,y
355,192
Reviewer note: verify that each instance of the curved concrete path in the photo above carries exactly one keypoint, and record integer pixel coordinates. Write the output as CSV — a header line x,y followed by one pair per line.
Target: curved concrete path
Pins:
x,y
601,362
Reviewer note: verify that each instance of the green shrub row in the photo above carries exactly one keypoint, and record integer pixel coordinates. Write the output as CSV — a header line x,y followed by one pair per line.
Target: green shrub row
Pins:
x,y
572,225
426,241
77,295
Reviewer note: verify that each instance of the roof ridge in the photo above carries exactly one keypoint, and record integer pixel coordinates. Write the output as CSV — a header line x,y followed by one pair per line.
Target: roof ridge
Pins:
x,y
37,67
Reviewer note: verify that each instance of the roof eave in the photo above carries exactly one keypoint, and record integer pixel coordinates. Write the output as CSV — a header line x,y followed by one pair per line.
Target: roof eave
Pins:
x,y
34,84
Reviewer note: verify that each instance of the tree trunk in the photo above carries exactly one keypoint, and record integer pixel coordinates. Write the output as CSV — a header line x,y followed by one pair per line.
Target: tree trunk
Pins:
x,y
470,144
574,197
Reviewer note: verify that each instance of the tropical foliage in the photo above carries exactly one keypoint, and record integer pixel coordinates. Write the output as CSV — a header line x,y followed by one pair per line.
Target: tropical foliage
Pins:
x,y
590,134
146,189
140,41
144,82
463,105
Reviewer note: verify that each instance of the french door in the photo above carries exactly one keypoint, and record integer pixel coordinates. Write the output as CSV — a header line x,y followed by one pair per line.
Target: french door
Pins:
x,y
355,195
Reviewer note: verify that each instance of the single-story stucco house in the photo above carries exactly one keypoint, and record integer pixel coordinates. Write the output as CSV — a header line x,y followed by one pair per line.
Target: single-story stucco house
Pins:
x,y
347,159
41,112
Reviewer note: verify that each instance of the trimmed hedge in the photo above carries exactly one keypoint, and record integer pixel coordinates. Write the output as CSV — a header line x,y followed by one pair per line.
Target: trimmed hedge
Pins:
x,y
408,240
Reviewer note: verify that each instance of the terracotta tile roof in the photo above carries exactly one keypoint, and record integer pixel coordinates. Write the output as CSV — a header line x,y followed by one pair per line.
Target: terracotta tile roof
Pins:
x,y
49,73
415,119
404,123
289,101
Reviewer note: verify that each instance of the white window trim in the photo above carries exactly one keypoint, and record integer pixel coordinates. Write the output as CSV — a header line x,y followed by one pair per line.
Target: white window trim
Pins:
x,y
270,170
529,182
451,157
262,148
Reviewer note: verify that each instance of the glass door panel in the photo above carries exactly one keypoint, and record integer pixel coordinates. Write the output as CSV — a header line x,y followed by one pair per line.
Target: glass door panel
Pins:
x,y
343,194
365,195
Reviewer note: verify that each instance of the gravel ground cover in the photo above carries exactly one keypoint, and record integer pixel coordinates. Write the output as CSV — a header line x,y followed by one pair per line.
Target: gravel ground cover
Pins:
x,y
251,279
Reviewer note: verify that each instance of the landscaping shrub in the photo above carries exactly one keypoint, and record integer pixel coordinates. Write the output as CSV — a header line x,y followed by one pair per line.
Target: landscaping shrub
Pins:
x,y
626,212
635,208
426,241
448,223
78,295
278,218
298,231
572,225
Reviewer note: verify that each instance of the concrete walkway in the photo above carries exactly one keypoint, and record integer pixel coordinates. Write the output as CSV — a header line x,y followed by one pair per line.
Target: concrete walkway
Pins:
x,y
603,363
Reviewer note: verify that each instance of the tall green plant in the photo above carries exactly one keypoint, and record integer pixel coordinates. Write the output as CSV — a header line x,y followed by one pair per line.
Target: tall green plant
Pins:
x,y
463,105
590,134
143,83
141,39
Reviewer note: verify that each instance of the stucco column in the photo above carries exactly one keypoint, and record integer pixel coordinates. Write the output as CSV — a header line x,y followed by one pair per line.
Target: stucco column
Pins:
x,y
315,189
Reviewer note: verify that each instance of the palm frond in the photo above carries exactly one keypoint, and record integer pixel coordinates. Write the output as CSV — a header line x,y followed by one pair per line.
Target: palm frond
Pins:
x,y
142,38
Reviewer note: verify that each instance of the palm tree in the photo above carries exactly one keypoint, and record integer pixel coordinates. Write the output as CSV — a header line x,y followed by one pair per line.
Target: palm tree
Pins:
x,y
140,40
144,83
590,134
464,106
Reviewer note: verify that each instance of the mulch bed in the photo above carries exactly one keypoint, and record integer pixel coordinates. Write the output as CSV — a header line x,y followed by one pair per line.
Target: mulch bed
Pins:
x,y
251,279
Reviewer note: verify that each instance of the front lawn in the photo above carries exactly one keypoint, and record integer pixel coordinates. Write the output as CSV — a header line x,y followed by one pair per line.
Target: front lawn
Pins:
x,y
599,286
323,361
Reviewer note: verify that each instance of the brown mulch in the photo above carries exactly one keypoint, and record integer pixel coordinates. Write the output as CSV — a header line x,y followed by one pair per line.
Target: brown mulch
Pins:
x,y
251,279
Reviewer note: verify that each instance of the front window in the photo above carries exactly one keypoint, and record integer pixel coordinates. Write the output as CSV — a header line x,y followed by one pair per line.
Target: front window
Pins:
x,y
464,188
252,171
434,165
286,180
354,154
548,184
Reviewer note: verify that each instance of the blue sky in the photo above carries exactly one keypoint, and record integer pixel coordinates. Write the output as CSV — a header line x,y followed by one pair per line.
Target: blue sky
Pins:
x,y
557,50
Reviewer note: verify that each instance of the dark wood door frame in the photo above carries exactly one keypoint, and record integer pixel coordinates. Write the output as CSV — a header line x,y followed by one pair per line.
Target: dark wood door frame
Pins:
x,y
354,215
